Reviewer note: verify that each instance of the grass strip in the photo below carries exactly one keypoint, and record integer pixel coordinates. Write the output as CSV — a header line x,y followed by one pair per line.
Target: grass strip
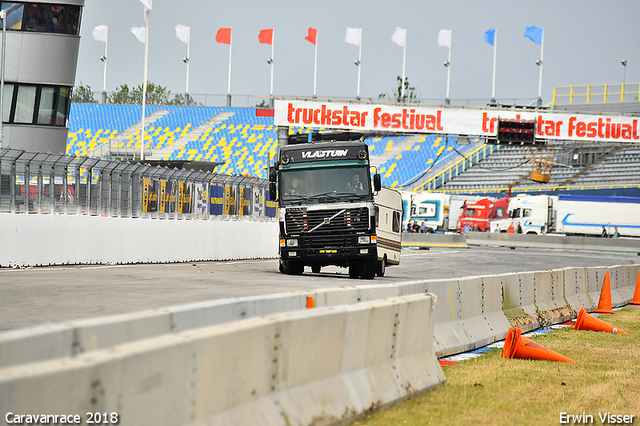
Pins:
x,y
492,390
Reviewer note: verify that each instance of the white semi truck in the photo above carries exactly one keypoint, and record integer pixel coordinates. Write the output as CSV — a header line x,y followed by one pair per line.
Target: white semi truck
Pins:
x,y
571,215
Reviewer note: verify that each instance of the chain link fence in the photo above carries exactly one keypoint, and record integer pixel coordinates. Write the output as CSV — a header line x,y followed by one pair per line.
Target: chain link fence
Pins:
x,y
43,183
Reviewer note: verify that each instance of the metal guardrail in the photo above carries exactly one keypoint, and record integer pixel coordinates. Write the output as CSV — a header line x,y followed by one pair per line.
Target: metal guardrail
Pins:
x,y
32,182
621,245
598,93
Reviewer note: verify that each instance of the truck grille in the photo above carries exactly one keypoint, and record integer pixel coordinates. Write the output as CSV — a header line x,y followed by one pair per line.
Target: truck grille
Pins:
x,y
348,222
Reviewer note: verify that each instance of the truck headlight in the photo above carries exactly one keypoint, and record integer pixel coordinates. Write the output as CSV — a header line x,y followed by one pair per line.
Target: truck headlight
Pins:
x,y
293,242
364,239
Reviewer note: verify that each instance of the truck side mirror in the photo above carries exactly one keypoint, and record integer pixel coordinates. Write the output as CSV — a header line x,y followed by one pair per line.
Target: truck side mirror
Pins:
x,y
377,183
272,173
273,191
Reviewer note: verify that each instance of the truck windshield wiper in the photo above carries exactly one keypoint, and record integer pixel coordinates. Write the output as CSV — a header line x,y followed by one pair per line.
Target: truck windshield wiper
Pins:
x,y
337,194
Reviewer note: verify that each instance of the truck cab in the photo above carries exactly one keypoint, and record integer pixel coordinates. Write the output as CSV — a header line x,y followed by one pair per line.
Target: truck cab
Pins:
x,y
475,216
327,212
432,209
528,214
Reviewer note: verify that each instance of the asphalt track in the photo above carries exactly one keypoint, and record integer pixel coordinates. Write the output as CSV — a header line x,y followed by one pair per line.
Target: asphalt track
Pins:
x,y
35,296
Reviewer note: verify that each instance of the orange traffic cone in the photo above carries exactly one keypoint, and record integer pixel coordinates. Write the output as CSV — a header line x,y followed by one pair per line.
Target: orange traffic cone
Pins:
x,y
636,295
310,303
517,346
589,322
604,305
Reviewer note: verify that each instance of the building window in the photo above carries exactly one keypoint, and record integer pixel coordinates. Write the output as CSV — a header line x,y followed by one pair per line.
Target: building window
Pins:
x,y
42,17
36,104
8,96
25,104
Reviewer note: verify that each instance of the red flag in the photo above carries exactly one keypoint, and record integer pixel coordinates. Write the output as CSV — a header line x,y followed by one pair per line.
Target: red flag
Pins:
x,y
224,36
312,35
266,36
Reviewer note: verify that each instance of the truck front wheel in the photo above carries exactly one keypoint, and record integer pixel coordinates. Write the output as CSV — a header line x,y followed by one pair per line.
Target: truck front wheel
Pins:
x,y
369,269
291,268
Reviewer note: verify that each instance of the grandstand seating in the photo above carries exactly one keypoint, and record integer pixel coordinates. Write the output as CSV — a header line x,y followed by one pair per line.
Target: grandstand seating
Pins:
x,y
243,144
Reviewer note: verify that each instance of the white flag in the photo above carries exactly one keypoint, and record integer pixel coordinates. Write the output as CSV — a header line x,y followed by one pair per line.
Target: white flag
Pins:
x,y
354,36
147,6
444,38
100,33
399,37
139,32
182,33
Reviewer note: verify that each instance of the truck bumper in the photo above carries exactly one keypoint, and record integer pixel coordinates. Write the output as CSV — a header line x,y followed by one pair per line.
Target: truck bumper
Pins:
x,y
329,255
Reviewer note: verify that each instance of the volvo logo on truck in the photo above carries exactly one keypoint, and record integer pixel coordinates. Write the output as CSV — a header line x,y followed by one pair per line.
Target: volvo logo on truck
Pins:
x,y
325,153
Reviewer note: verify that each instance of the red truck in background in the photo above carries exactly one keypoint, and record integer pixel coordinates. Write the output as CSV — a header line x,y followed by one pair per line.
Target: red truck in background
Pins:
x,y
477,215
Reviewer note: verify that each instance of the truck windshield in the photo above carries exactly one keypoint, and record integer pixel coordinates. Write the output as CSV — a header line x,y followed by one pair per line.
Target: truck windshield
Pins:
x,y
424,210
325,182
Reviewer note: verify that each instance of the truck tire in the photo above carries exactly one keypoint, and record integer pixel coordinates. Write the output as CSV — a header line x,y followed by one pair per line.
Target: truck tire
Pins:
x,y
315,269
291,268
382,266
369,269
354,270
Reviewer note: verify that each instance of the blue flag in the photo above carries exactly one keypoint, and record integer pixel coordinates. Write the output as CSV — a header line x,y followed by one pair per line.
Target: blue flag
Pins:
x,y
490,36
534,34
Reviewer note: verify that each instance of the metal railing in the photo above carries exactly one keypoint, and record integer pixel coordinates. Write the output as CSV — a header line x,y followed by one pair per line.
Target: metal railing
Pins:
x,y
596,93
32,182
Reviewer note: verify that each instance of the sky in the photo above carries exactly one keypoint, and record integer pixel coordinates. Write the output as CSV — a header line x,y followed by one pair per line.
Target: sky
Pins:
x,y
584,44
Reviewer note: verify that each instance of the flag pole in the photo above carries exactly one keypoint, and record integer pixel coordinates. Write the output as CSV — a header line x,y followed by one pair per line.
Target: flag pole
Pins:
x,y
359,65
447,101
104,82
144,83
541,64
273,42
493,88
186,98
315,66
229,77
404,63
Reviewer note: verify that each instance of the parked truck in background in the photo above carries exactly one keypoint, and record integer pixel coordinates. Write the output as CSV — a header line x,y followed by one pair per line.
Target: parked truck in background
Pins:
x,y
571,215
330,213
476,215
438,211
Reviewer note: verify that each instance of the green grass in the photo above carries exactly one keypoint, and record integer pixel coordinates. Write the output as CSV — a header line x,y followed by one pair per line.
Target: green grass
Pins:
x,y
492,390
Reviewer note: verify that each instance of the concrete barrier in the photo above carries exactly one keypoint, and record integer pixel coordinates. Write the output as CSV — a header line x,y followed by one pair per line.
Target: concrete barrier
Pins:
x,y
213,312
595,279
562,242
76,337
79,239
473,312
627,280
321,366
518,302
450,335
576,291
433,240
549,296
492,307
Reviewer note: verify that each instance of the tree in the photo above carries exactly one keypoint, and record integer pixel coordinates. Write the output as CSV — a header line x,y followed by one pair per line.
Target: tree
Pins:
x,y
410,95
83,95
156,95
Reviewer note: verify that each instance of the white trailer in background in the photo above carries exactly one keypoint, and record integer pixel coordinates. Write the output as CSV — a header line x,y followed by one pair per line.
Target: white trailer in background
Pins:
x,y
439,212
572,215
